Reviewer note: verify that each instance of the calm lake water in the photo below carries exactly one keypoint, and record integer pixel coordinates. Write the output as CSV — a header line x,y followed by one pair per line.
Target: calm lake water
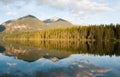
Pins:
x,y
59,59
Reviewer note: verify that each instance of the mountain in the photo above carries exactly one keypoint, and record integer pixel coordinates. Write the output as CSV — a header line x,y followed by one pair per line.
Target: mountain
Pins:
x,y
53,19
25,23
56,22
31,23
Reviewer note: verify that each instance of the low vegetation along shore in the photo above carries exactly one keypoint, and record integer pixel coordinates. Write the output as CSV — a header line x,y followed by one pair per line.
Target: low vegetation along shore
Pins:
x,y
84,33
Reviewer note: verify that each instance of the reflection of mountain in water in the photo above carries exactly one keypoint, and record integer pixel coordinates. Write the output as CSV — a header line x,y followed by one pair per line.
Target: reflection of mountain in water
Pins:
x,y
32,54
67,67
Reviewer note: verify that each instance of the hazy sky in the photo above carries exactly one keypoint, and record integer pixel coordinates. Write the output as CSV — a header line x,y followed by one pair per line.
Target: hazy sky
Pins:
x,y
76,11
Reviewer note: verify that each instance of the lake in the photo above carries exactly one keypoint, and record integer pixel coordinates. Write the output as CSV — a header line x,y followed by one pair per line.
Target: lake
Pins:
x,y
59,59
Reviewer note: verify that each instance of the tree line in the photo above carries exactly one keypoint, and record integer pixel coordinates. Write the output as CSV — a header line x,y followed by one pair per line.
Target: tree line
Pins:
x,y
84,33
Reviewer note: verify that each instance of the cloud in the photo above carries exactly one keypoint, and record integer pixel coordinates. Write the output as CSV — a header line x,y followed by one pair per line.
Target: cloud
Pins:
x,y
77,7
11,13
6,2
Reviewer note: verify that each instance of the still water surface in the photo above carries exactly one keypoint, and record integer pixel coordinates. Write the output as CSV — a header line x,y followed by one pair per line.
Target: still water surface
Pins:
x,y
59,59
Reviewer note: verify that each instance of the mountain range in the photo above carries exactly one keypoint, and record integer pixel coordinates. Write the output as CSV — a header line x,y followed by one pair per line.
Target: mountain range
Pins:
x,y
32,23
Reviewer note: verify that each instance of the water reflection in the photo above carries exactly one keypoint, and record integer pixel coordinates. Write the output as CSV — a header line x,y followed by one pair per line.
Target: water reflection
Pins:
x,y
33,53
96,48
59,59
67,67
2,49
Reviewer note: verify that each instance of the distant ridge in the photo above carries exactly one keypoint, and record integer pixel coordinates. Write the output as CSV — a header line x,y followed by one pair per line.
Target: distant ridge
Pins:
x,y
7,22
56,22
53,19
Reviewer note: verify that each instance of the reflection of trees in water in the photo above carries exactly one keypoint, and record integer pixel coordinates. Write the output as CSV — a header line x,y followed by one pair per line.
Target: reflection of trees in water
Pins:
x,y
2,28
97,48
2,49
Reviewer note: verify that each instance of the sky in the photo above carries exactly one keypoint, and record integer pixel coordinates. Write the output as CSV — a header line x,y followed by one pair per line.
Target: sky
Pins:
x,y
75,11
